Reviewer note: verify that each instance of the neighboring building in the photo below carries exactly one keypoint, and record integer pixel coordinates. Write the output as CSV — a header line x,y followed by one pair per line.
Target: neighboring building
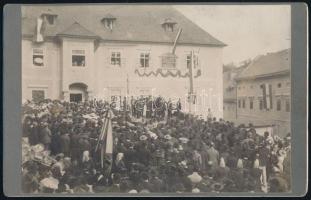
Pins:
x,y
107,52
263,92
230,90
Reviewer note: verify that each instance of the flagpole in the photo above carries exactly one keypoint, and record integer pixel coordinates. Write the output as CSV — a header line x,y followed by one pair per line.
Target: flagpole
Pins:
x,y
191,82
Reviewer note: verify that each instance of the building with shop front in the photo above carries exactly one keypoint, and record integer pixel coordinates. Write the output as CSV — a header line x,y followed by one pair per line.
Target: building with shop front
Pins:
x,y
110,51
264,92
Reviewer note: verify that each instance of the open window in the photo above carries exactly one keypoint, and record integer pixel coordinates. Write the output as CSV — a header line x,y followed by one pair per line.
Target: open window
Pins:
x,y
144,60
78,58
38,57
169,24
108,21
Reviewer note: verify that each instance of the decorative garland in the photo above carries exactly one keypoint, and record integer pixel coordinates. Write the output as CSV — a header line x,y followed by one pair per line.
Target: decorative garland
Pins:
x,y
168,73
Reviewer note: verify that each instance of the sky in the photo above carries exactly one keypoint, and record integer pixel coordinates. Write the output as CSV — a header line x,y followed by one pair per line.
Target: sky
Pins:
x,y
248,30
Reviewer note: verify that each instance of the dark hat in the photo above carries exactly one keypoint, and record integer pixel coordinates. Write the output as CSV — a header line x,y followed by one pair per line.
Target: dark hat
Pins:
x,y
217,186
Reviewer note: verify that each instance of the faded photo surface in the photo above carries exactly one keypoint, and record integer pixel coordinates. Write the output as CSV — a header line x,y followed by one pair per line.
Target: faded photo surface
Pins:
x,y
156,99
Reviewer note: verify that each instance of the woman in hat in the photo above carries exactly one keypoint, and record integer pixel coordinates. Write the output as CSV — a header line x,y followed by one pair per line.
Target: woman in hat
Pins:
x,y
30,181
33,133
222,170
45,136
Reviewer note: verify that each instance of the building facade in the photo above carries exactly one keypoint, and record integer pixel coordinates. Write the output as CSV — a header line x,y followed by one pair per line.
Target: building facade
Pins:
x,y
263,92
108,52
230,72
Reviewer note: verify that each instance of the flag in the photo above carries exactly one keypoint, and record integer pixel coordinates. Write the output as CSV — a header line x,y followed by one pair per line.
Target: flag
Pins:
x,y
270,96
267,95
105,139
39,36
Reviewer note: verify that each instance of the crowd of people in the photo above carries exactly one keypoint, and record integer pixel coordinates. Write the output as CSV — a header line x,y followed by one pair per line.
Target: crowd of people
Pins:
x,y
181,154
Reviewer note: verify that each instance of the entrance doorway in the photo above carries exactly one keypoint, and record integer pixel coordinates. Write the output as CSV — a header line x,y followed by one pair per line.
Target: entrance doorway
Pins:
x,y
77,92
75,98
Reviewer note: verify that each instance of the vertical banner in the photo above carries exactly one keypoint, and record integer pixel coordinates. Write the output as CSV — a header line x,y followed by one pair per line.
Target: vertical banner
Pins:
x,y
270,96
268,103
264,95
39,37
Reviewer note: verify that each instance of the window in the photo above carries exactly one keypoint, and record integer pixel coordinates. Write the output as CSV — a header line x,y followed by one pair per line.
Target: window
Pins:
x,y
243,103
115,58
38,57
279,85
278,105
196,62
37,95
144,59
169,61
260,104
108,21
78,58
239,103
251,103
50,19
287,104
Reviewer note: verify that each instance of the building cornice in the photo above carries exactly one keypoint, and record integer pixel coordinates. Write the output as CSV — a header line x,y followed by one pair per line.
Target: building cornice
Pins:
x,y
261,76
51,38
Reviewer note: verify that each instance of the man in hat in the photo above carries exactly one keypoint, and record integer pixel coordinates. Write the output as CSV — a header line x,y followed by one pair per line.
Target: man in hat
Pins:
x,y
30,181
155,182
65,144
277,181
45,136
33,133
213,155
264,159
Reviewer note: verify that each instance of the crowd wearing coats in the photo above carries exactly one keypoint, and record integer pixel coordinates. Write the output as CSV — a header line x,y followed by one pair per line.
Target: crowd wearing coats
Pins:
x,y
182,154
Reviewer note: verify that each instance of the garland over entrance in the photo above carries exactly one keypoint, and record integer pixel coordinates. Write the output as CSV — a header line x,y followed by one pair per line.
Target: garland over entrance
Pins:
x,y
165,73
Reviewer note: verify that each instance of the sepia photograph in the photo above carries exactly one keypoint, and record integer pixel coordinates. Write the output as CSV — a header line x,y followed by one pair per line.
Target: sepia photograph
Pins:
x,y
156,99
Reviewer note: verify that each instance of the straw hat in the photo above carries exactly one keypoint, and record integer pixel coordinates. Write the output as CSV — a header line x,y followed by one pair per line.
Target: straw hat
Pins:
x,y
184,140
133,191
195,177
143,137
144,191
168,137
217,186
50,182
195,190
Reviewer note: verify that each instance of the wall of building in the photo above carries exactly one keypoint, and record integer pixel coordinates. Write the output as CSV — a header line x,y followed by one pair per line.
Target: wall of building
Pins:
x,y
251,88
103,79
45,77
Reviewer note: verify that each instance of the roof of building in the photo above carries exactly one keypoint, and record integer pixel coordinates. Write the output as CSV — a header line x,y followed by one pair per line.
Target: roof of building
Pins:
x,y
77,30
269,64
137,23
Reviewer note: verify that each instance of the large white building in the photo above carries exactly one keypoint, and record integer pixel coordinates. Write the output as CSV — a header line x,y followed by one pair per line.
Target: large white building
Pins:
x,y
107,51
